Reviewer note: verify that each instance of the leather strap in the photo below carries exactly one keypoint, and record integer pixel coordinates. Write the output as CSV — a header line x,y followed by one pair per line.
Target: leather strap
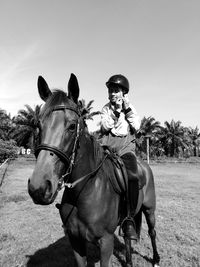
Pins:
x,y
53,149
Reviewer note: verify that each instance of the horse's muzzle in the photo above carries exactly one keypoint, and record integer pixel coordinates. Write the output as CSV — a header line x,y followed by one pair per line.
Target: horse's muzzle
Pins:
x,y
41,195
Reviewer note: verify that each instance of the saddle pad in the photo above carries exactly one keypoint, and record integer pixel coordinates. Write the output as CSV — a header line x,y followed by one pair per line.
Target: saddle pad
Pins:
x,y
119,181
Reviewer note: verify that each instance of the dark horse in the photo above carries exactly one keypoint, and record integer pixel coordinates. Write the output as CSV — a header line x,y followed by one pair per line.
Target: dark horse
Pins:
x,y
68,156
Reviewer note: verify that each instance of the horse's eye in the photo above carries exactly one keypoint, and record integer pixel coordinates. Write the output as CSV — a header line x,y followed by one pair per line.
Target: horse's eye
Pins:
x,y
72,127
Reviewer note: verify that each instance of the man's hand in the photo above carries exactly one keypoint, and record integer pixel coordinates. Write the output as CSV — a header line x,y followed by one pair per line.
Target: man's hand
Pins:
x,y
126,102
118,104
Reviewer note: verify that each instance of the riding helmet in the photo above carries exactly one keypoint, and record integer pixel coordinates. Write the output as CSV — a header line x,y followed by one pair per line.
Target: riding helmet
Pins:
x,y
120,80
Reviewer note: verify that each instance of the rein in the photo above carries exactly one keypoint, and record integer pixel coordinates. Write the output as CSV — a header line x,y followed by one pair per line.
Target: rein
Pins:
x,y
72,185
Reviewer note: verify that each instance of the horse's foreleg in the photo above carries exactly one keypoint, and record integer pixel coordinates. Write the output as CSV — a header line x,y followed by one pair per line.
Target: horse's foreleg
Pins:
x,y
79,248
150,218
106,249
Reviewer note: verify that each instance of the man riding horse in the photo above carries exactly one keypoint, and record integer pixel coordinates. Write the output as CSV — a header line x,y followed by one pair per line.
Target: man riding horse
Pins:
x,y
119,121
68,156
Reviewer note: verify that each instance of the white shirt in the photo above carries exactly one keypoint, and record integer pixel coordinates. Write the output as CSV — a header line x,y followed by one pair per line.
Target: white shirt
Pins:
x,y
119,126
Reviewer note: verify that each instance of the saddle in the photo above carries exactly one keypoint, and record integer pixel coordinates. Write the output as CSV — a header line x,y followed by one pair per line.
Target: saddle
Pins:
x,y
120,181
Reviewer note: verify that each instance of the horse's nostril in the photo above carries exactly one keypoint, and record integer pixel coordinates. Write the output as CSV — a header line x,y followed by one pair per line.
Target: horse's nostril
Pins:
x,y
30,187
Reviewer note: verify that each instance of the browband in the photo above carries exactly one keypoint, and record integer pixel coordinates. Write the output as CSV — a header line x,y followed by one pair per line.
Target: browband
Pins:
x,y
61,107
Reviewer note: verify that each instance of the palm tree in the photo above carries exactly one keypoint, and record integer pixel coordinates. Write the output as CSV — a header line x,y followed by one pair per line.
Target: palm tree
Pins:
x,y
173,138
149,131
5,125
149,126
26,129
86,110
194,137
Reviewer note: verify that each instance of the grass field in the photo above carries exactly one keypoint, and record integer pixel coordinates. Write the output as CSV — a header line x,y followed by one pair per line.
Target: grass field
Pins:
x,y
32,235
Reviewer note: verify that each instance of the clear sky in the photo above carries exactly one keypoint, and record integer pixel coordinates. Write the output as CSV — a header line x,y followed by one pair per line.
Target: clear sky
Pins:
x,y
155,43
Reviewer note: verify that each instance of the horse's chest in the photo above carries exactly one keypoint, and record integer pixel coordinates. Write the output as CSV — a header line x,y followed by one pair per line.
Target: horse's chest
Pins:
x,y
91,221
77,226
96,211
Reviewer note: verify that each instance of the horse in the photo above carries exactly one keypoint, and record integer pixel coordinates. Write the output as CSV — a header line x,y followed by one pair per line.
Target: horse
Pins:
x,y
69,156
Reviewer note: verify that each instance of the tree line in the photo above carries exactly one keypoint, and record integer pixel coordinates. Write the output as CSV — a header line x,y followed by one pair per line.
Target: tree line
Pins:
x,y
170,140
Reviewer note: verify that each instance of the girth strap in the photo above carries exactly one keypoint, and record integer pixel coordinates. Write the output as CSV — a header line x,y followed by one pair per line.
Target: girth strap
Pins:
x,y
53,149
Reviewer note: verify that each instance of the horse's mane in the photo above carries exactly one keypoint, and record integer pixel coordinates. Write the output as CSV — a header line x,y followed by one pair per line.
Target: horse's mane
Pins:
x,y
97,148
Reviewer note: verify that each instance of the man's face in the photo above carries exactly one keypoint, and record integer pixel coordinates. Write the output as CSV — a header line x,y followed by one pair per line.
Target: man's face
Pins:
x,y
114,93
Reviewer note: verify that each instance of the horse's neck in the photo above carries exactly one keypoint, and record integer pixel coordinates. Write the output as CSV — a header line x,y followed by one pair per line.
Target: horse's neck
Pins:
x,y
89,153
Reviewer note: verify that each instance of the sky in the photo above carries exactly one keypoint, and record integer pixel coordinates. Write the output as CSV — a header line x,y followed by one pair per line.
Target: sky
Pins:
x,y
154,43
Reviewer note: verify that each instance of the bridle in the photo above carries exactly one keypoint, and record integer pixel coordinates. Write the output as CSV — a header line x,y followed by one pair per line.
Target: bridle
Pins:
x,y
63,181
69,160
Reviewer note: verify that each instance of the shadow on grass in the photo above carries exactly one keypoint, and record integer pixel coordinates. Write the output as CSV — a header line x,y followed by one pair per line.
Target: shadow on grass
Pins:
x,y
60,254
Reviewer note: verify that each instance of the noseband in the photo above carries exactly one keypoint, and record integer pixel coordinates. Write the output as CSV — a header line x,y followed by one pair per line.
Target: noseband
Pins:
x,y
69,160
53,149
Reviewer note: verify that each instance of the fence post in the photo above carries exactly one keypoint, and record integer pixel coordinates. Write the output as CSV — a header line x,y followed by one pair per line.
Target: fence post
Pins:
x,y
6,167
147,142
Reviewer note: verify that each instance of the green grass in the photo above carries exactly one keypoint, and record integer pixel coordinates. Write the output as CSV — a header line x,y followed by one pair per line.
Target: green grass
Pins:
x,y
32,235
178,187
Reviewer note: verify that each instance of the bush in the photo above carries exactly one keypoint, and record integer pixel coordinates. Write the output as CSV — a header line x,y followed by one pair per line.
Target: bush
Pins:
x,y
8,149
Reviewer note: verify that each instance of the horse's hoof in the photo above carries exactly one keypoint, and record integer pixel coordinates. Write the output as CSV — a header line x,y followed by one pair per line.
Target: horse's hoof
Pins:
x,y
156,265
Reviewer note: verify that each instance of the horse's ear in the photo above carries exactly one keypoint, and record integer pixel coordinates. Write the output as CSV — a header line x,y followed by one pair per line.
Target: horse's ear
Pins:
x,y
43,88
73,88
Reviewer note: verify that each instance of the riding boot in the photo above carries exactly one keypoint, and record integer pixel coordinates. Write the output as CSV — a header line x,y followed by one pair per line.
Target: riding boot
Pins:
x,y
128,225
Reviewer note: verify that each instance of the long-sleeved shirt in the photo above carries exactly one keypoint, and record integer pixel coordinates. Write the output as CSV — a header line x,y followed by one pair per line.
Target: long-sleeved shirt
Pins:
x,y
119,123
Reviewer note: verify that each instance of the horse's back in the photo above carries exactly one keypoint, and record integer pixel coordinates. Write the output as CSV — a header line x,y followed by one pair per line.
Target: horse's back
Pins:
x,y
148,190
